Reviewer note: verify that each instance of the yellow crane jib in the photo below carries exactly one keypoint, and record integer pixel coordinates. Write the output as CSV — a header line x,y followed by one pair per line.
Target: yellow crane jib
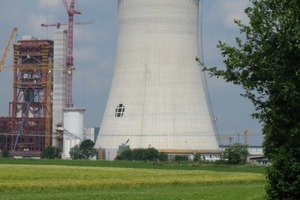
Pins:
x,y
11,38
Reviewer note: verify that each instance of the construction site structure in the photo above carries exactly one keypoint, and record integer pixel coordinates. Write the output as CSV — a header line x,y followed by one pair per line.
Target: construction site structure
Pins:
x,y
28,129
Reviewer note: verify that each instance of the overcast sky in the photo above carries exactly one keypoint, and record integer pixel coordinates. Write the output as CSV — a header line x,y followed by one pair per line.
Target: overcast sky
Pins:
x,y
95,52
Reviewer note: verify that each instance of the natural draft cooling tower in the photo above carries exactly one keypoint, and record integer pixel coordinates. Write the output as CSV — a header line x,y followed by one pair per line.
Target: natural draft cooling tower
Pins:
x,y
157,97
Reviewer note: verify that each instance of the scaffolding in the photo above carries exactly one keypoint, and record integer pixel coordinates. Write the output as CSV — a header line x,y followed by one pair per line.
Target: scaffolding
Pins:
x,y
28,129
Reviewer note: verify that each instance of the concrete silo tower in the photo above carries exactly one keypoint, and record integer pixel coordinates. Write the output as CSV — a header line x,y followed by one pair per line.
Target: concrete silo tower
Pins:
x,y
157,97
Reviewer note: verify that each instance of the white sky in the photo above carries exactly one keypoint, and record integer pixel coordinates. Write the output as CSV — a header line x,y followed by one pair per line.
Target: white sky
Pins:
x,y
95,51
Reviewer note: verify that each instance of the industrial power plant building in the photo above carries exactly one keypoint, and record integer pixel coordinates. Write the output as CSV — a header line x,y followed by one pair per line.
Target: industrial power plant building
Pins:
x,y
157,97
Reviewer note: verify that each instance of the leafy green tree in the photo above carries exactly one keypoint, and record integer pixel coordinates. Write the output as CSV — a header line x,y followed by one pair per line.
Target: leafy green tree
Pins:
x,y
85,150
76,153
266,63
51,152
236,153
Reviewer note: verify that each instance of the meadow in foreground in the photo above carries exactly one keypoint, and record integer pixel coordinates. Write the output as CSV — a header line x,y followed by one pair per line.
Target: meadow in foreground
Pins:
x,y
20,181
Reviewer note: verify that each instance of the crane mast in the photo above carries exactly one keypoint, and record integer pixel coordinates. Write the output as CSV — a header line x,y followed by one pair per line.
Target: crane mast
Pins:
x,y
71,12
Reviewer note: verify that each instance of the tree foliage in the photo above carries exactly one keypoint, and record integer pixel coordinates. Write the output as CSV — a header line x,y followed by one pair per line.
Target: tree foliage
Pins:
x,y
180,158
236,153
76,153
87,148
4,153
51,152
140,154
267,65
197,157
84,151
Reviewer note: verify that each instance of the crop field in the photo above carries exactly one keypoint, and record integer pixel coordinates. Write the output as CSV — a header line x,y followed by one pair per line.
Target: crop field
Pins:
x,y
101,180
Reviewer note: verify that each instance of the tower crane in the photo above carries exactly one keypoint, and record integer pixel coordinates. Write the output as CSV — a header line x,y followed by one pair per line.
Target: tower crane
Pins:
x,y
71,12
4,56
69,63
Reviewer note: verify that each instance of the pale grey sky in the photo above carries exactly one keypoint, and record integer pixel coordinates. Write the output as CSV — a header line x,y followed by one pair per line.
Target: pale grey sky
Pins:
x,y
95,51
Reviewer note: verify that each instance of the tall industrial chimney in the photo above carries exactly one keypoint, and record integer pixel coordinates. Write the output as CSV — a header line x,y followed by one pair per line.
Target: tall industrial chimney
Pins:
x,y
157,97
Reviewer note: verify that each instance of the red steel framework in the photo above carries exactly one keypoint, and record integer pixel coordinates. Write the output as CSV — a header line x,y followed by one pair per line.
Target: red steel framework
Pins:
x,y
27,130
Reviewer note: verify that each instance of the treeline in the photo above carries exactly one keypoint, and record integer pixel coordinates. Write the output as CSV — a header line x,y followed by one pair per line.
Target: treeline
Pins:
x,y
151,154
141,154
232,154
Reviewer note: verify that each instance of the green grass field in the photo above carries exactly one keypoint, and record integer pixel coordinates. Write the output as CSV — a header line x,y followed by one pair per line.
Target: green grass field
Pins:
x,y
45,179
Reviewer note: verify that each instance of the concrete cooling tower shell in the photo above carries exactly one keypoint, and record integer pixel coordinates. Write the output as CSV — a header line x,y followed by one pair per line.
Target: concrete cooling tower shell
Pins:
x,y
157,97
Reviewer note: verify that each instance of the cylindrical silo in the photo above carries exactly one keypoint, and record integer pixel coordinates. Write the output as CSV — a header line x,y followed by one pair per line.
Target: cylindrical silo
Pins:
x,y
157,97
73,129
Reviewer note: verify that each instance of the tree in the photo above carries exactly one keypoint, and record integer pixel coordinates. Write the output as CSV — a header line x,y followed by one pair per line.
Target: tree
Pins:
x,y
51,152
85,150
75,153
266,63
140,154
197,157
236,153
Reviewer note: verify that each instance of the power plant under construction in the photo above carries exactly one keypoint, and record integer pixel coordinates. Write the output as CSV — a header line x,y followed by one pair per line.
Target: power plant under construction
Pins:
x,y
41,113
157,96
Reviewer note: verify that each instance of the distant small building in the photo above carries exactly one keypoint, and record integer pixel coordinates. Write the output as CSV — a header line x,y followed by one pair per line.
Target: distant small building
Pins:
x,y
91,133
256,150
259,160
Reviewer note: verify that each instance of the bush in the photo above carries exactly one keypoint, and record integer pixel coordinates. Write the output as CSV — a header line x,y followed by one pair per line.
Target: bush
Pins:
x,y
236,154
181,158
125,155
5,154
197,157
84,151
76,153
140,154
51,152
162,157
